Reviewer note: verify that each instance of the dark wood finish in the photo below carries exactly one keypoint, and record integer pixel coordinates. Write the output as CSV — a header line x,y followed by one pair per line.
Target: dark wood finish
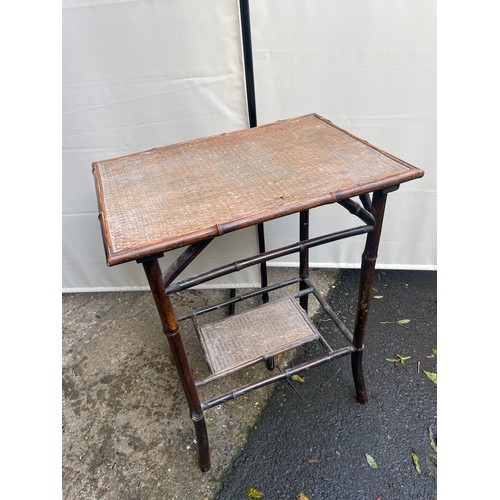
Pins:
x,y
263,265
357,210
238,298
324,304
232,304
171,330
280,376
304,255
183,261
368,262
189,193
270,254
366,201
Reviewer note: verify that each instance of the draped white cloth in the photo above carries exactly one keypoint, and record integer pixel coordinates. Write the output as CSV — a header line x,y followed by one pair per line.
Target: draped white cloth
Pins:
x,y
140,74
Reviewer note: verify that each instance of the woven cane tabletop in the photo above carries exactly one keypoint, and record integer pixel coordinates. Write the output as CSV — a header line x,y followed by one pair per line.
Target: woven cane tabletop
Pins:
x,y
249,337
168,197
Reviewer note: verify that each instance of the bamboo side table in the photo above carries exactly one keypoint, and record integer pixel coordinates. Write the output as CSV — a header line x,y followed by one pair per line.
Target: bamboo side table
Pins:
x,y
189,193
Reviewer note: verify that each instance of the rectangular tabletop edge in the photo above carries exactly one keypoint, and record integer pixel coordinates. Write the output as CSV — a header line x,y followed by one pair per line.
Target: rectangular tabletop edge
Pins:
x,y
214,136
366,143
119,257
240,131
106,239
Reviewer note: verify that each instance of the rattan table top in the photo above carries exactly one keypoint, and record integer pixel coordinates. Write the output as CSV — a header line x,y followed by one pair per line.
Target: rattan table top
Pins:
x,y
168,197
243,339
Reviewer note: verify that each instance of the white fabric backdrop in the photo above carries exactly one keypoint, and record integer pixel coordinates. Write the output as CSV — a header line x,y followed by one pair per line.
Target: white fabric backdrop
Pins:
x,y
138,75
370,67
141,74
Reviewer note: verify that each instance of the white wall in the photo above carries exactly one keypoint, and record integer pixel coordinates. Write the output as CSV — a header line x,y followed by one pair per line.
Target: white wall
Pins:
x,y
141,74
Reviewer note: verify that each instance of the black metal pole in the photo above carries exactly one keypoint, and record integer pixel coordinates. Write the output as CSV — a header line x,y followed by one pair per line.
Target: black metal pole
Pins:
x,y
246,35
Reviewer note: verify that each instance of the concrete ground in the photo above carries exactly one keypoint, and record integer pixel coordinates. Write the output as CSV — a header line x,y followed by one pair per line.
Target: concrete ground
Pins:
x,y
127,433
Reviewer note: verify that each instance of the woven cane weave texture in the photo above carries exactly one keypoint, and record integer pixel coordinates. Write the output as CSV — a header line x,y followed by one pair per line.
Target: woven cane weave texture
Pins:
x,y
251,336
171,196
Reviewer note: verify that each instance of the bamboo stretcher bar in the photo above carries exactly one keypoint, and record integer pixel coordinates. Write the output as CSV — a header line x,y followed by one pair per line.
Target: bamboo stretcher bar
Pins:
x,y
284,374
357,210
183,261
324,343
324,304
366,201
272,254
241,297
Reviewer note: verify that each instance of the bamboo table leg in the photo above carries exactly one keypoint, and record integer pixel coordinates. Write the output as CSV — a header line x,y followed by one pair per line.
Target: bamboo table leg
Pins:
x,y
365,285
304,255
171,330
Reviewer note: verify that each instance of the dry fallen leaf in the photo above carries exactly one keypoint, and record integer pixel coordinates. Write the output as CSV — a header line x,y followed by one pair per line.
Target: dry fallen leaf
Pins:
x,y
400,322
400,360
301,496
433,376
371,461
254,493
432,440
414,456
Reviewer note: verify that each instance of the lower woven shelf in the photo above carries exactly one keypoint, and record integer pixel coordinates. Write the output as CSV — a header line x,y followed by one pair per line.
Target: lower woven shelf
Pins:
x,y
251,336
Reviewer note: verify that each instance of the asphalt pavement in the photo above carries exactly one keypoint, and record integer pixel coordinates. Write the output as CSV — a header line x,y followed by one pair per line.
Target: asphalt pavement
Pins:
x,y
314,438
